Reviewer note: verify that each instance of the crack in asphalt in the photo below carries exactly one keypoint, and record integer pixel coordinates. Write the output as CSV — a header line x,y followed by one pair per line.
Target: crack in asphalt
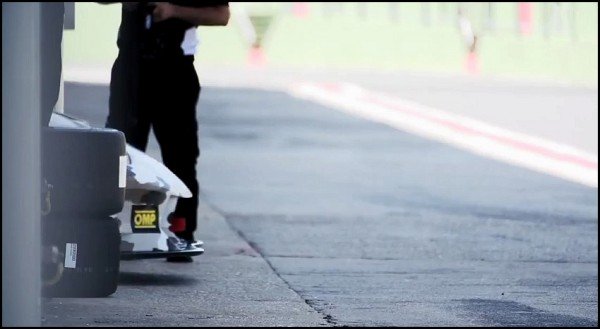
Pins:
x,y
327,317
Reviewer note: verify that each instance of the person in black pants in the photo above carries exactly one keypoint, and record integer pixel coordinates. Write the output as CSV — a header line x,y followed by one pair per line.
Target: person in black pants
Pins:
x,y
154,84
50,57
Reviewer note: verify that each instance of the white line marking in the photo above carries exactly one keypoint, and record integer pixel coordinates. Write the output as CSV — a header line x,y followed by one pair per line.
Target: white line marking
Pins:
x,y
472,135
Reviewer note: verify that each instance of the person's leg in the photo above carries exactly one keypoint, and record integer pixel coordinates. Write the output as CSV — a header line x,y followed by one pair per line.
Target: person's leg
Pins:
x,y
51,57
176,130
127,102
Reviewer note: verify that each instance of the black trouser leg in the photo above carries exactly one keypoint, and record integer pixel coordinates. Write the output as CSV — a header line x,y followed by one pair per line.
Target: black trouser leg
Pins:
x,y
51,57
164,94
126,112
176,129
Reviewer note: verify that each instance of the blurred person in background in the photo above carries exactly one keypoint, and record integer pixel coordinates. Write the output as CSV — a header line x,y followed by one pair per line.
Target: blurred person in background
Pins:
x,y
470,38
154,84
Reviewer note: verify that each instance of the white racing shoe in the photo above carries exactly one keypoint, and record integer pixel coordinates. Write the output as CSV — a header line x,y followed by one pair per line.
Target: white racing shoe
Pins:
x,y
182,244
196,243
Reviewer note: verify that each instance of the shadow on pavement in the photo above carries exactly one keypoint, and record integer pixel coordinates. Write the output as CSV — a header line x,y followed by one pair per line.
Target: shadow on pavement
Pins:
x,y
145,279
510,314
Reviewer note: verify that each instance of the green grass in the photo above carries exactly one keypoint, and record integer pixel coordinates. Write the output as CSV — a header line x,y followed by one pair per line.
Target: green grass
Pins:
x,y
347,39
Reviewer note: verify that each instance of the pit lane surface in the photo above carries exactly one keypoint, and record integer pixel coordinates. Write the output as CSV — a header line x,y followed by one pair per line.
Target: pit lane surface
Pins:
x,y
314,217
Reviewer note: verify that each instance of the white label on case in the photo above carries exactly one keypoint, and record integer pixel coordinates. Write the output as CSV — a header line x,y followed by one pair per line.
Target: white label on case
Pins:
x,y
71,255
122,171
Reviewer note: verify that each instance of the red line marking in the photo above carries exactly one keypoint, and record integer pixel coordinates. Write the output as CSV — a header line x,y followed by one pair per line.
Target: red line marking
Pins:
x,y
468,130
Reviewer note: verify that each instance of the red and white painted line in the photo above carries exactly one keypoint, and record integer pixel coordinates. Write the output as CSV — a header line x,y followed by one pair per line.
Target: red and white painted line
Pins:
x,y
472,135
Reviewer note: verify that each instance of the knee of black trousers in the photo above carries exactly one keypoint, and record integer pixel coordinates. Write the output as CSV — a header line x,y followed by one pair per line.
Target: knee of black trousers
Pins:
x,y
182,162
190,180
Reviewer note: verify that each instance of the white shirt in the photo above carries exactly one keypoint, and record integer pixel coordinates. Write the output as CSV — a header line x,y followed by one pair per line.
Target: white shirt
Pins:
x,y
190,42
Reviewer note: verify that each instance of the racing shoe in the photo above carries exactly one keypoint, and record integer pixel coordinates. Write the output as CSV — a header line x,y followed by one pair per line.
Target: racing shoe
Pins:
x,y
177,244
195,243
180,244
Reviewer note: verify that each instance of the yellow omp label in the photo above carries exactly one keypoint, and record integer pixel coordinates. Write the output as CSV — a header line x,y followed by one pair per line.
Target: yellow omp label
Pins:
x,y
144,218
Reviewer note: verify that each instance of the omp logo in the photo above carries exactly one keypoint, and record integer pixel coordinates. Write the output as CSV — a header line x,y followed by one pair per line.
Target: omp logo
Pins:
x,y
144,219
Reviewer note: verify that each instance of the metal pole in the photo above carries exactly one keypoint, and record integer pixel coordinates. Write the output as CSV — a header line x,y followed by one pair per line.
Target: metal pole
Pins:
x,y
21,108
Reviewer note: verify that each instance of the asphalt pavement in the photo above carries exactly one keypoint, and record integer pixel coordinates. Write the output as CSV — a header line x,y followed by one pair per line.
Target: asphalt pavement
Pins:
x,y
312,217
